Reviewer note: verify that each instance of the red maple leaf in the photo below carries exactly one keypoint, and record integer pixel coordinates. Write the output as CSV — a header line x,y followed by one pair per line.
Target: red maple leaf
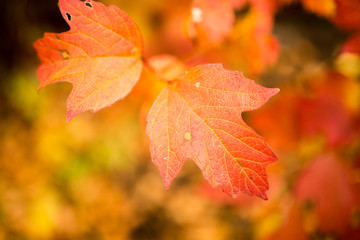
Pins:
x,y
100,55
198,117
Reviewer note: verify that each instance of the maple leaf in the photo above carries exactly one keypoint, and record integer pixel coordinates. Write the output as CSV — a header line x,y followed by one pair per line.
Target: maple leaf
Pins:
x,y
100,55
198,117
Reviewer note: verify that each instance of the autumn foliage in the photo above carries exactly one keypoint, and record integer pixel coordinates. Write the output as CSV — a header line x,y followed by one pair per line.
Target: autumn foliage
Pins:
x,y
100,55
197,115
259,99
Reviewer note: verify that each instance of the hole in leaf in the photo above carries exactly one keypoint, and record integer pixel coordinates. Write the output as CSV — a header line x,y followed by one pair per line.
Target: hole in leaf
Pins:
x,y
64,54
88,4
57,37
68,16
82,0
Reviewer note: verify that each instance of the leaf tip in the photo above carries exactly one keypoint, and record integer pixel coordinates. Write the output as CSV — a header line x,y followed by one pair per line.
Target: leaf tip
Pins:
x,y
68,118
70,115
167,182
273,91
167,185
38,89
264,196
276,90
261,195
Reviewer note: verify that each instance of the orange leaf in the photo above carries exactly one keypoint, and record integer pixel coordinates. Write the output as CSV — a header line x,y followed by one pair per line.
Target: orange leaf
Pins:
x,y
324,8
100,55
198,117
212,20
255,47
